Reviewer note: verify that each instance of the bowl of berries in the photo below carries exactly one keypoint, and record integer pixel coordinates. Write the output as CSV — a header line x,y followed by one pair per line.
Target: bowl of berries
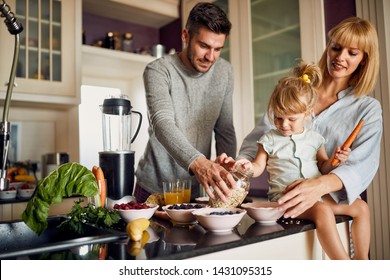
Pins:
x,y
26,190
182,213
219,220
8,194
133,210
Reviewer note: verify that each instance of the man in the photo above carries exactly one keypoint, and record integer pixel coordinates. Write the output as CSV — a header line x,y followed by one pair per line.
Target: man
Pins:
x,y
189,96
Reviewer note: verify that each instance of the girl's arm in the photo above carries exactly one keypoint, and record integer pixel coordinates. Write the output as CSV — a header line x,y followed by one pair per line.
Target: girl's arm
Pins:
x,y
325,164
260,161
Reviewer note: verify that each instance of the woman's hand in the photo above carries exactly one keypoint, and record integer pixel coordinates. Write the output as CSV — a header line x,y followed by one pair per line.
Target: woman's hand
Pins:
x,y
299,196
302,194
212,175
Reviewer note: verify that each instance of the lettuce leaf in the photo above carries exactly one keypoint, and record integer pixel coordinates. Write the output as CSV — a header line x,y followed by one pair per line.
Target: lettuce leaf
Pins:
x,y
67,180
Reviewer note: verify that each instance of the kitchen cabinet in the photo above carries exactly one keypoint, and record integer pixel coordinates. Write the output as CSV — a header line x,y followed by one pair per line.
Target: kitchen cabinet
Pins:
x,y
152,13
47,70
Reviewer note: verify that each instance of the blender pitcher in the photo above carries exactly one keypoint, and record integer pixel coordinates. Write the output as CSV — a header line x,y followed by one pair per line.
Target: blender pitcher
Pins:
x,y
117,159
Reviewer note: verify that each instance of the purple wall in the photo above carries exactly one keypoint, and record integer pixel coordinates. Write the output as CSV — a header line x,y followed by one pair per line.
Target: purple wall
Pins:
x,y
96,27
336,11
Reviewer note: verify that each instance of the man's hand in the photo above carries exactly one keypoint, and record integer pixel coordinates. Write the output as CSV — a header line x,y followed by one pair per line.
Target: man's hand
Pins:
x,y
212,175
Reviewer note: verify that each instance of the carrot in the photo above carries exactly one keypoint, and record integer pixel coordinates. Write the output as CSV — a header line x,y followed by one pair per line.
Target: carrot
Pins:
x,y
102,251
349,140
98,172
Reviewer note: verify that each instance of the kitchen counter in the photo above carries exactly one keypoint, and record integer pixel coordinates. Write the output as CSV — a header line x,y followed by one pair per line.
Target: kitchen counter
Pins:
x,y
177,242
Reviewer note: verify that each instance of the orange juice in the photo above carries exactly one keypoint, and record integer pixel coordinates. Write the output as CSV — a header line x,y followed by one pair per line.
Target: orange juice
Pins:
x,y
173,197
187,196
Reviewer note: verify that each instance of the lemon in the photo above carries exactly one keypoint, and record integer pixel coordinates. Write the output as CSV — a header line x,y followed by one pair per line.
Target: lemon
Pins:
x,y
135,247
135,228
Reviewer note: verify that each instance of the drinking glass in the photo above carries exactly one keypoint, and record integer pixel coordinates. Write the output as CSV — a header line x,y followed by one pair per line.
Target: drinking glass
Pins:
x,y
186,183
173,192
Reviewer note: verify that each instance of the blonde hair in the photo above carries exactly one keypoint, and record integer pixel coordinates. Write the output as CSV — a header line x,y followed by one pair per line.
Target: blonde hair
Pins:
x,y
296,93
346,33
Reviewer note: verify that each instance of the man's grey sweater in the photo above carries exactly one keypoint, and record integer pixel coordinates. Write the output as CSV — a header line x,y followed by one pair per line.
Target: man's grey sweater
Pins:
x,y
184,108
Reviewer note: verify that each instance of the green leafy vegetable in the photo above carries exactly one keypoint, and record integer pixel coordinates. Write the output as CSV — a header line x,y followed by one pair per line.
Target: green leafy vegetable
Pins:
x,y
67,180
79,216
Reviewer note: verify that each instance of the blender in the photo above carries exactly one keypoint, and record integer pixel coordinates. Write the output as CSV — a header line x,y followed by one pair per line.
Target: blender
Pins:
x,y
117,159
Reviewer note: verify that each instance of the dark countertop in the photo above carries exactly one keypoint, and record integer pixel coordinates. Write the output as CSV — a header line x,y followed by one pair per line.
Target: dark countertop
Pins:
x,y
14,200
178,242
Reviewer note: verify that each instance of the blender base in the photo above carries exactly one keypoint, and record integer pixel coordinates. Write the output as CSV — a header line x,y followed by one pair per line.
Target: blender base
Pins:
x,y
118,169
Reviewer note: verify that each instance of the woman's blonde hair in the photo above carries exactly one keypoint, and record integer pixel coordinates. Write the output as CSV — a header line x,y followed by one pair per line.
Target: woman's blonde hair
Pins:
x,y
295,94
348,32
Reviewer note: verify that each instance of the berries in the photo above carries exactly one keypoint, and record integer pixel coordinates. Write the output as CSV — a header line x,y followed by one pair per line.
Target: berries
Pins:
x,y
223,213
132,205
184,206
25,186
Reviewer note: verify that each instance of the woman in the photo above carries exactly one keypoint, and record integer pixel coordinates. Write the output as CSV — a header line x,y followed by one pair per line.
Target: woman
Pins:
x,y
349,67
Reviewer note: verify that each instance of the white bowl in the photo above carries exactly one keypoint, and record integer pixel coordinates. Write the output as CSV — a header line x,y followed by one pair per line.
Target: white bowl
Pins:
x,y
202,199
8,194
133,214
264,212
219,223
111,202
25,193
182,216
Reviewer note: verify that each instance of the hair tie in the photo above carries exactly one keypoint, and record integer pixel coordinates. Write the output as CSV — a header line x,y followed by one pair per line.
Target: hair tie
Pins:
x,y
305,78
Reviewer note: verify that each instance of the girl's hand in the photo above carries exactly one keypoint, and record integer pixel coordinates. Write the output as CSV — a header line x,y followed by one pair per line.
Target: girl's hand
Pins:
x,y
227,162
246,164
342,154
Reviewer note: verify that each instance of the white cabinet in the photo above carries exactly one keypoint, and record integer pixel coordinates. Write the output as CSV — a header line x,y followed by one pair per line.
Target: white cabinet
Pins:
x,y
47,69
152,13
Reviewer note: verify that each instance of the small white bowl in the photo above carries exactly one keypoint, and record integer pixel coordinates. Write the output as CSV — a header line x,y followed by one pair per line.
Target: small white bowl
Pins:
x,y
219,223
202,199
133,214
264,212
8,194
182,216
25,193
111,202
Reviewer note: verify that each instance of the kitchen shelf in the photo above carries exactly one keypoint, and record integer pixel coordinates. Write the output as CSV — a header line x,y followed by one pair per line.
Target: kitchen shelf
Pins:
x,y
152,13
105,64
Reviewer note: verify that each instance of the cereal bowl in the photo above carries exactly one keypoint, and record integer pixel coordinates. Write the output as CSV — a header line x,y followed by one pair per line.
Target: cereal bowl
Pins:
x,y
8,194
182,213
264,212
130,214
219,220
25,193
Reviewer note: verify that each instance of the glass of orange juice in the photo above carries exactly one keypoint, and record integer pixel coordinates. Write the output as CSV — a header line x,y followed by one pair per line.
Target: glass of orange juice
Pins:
x,y
173,192
186,183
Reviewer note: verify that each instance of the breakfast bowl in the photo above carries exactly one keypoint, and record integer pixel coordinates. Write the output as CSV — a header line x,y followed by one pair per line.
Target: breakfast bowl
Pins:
x,y
182,213
8,194
26,190
25,193
219,220
264,212
133,210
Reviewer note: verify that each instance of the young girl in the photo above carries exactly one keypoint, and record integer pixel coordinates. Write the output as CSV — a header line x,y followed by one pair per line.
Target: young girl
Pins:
x,y
294,151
